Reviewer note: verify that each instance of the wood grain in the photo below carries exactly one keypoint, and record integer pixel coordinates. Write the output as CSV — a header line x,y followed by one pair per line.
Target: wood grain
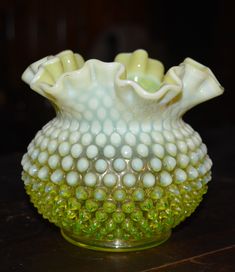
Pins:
x,y
204,242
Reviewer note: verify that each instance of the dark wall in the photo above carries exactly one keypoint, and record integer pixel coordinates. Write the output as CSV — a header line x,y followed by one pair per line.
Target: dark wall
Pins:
x,y
168,30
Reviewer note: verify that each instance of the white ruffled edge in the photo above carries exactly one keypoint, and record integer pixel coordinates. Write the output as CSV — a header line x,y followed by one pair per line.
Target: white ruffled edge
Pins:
x,y
112,73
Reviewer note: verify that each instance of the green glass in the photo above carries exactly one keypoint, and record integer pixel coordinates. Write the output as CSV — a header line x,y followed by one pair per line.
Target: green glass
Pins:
x,y
117,168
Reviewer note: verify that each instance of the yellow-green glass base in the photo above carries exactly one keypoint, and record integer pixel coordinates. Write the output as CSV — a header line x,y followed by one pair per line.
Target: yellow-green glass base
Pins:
x,y
116,245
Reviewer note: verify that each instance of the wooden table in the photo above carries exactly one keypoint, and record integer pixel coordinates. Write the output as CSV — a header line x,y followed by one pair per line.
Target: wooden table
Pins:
x,y
204,242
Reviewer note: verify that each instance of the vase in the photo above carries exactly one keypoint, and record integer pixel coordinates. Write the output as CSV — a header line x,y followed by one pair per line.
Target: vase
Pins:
x,y
117,168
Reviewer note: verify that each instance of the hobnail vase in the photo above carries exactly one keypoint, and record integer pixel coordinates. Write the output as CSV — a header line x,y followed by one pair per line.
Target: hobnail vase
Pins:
x,y
117,168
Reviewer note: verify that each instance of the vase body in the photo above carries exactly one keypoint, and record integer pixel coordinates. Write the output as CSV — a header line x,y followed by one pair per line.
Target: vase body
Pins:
x,y
113,172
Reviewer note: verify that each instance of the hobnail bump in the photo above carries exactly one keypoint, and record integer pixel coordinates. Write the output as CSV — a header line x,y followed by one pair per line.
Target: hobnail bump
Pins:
x,y
117,168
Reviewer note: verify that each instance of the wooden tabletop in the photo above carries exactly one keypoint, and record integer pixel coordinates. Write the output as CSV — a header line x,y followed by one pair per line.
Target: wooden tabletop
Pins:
x,y
204,242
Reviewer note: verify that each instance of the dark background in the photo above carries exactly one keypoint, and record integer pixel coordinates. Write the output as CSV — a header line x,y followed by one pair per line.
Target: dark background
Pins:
x,y
168,30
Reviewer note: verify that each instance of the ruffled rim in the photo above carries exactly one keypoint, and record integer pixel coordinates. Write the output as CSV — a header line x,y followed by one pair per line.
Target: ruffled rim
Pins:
x,y
46,76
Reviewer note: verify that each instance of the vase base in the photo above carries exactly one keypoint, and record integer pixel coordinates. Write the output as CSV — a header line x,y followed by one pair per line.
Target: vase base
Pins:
x,y
117,245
